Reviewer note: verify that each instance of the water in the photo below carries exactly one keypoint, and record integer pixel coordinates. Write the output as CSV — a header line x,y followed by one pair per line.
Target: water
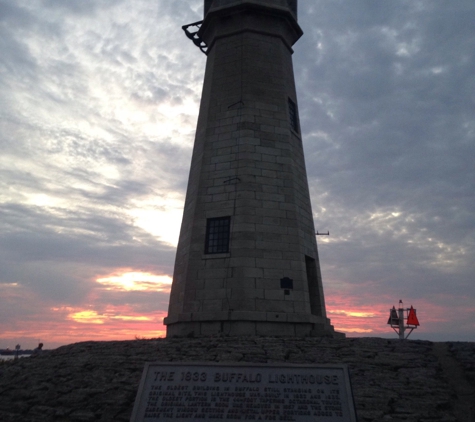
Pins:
x,y
11,357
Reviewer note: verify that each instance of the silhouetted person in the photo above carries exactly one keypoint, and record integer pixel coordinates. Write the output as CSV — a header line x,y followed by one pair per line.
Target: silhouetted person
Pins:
x,y
38,350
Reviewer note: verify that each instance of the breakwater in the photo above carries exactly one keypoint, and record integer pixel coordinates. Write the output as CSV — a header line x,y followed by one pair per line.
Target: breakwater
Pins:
x,y
414,381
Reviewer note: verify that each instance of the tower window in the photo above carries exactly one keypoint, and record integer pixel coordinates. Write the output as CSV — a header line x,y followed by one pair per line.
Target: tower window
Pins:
x,y
293,116
217,235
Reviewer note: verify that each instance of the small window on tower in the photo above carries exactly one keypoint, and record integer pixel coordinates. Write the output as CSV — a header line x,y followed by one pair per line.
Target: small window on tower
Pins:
x,y
217,235
293,116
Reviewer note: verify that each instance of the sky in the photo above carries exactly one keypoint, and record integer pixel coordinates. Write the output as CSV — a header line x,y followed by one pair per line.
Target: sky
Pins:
x,y
98,108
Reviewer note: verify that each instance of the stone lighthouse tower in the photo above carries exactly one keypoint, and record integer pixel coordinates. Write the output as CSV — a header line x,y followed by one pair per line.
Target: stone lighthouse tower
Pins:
x,y
247,260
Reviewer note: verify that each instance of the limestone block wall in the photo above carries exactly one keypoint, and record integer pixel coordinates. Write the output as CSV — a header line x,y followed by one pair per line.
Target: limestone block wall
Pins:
x,y
248,164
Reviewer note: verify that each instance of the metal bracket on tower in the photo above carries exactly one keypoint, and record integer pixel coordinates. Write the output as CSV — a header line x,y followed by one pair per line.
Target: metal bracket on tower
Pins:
x,y
194,36
322,234
232,179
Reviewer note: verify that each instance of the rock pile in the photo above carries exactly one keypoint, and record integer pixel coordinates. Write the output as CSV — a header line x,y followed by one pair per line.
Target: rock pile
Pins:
x,y
98,381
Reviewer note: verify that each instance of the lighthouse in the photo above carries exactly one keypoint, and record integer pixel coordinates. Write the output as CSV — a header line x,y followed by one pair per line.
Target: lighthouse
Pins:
x,y
247,260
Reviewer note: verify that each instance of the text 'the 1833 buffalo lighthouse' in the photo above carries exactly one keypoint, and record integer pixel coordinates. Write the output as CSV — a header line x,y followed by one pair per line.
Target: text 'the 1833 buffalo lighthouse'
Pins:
x,y
247,260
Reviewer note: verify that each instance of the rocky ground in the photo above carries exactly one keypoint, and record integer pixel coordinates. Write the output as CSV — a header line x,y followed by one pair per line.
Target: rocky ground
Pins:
x,y
97,381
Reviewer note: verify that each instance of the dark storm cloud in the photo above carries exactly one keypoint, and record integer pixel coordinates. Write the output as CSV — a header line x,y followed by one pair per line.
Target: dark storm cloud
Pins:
x,y
32,235
15,56
386,99
98,103
60,264
79,82
81,7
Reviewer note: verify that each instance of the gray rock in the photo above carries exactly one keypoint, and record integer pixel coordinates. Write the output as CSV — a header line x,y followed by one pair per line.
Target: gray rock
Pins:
x,y
98,381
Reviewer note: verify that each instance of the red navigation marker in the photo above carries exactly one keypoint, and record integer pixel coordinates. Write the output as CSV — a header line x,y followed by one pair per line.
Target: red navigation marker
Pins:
x,y
393,317
401,323
412,318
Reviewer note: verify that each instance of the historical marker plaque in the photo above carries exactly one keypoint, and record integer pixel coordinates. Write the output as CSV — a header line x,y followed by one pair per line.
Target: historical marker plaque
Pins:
x,y
233,392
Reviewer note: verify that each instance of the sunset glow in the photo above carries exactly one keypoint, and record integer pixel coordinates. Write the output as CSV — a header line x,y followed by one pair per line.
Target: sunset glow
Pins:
x,y
354,314
97,133
89,317
94,321
136,281
92,317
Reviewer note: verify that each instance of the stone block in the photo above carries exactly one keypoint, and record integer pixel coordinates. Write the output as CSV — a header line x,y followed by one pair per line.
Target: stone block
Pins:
x,y
271,212
264,106
211,294
269,246
268,283
239,328
240,282
298,265
210,328
267,228
224,136
215,190
210,316
292,240
275,329
272,254
275,294
272,221
269,173
239,303
214,305
297,296
283,131
247,253
209,273
225,129
268,128
245,294
242,262
303,330
221,197
183,329
291,255
273,273
244,227
214,263
275,197
246,272
272,264
270,187
220,159
276,316
244,244
279,306
218,205
272,205
214,283
245,195
270,237
192,305
248,316
269,158
299,317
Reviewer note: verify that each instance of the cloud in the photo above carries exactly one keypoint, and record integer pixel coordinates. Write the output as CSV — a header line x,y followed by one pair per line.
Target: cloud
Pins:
x,y
98,107
387,139
136,281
